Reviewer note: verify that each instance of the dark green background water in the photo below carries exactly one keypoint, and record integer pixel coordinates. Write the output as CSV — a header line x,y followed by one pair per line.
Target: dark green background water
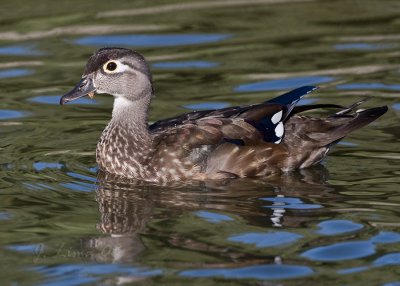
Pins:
x,y
333,225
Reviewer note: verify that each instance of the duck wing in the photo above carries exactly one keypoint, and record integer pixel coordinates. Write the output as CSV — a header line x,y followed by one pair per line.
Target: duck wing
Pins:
x,y
250,127
266,119
206,143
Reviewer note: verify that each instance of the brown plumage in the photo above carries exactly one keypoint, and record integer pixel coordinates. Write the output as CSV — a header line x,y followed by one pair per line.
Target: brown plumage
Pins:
x,y
243,141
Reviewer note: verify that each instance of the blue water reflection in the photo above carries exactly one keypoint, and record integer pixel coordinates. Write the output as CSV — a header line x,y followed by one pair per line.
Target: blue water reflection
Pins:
x,y
397,283
10,73
184,64
362,46
25,248
55,100
386,237
37,186
340,251
347,144
94,169
368,86
388,259
334,227
385,260
267,239
40,166
81,176
78,274
353,270
268,271
165,40
79,186
213,217
351,249
305,101
4,216
10,114
289,203
283,84
19,50
206,105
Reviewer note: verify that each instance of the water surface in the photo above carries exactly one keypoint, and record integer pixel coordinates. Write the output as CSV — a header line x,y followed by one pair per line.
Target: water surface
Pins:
x,y
61,224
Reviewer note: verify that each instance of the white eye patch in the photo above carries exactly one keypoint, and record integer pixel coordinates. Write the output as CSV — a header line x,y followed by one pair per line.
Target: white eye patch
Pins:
x,y
114,66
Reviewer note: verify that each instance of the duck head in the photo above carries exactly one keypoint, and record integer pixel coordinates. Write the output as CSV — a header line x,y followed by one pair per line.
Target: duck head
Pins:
x,y
120,72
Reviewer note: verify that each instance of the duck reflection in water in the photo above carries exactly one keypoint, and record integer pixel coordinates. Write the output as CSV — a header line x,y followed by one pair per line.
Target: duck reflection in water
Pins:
x,y
128,210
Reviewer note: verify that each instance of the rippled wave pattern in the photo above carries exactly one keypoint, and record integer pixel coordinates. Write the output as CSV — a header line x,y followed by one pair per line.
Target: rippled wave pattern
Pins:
x,y
63,223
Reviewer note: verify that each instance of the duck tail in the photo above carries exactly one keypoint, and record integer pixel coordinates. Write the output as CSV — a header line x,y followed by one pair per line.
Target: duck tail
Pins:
x,y
355,121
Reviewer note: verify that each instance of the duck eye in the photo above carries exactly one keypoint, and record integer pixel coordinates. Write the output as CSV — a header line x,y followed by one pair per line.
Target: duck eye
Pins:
x,y
114,66
111,66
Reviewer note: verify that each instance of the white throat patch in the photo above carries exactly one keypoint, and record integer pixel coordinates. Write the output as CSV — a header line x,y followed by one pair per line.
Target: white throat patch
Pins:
x,y
120,104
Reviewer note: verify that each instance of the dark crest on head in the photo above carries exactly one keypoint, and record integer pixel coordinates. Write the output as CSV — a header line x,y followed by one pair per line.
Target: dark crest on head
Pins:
x,y
103,55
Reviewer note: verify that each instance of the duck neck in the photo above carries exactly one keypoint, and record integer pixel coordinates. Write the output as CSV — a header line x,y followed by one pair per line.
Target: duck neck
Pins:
x,y
129,119
126,143
131,114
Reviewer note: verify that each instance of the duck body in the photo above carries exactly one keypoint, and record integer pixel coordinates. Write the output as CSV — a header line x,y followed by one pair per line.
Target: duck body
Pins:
x,y
243,141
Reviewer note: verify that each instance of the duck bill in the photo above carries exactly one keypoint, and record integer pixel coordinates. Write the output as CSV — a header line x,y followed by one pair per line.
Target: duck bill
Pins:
x,y
83,88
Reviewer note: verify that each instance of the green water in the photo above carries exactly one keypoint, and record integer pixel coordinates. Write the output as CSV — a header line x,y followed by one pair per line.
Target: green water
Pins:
x,y
337,224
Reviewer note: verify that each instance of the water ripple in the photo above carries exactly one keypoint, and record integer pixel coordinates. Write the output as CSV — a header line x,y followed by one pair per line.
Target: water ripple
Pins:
x,y
4,216
362,46
353,270
368,86
352,249
25,248
268,271
40,166
55,100
19,51
78,274
340,251
289,203
386,237
9,114
206,105
185,64
388,259
79,186
396,283
213,217
81,176
10,73
334,227
268,239
282,84
164,40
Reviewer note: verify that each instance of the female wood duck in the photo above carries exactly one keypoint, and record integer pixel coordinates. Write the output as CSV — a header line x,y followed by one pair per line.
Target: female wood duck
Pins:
x,y
242,141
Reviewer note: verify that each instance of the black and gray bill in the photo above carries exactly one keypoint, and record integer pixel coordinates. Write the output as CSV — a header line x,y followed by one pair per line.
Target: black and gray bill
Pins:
x,y
83,88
